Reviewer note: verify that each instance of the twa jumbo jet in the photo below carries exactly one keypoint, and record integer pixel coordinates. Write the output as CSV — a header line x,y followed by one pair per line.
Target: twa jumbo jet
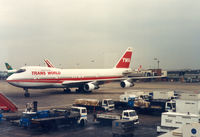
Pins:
x,y
85,80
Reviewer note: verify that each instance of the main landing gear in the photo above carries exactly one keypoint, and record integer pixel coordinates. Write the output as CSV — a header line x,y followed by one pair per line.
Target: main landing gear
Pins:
x,y
82,90
26,94
67,90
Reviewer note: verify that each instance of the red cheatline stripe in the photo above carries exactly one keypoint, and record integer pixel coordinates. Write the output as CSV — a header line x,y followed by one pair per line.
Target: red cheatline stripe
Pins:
x,y
60,80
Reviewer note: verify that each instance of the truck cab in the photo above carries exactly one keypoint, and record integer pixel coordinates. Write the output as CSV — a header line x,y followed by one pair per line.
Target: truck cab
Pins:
x,y
83,114
130,115
108,104
170,106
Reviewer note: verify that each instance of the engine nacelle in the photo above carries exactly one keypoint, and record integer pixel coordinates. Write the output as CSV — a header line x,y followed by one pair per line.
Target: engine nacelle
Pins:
x,y
126,84
90,87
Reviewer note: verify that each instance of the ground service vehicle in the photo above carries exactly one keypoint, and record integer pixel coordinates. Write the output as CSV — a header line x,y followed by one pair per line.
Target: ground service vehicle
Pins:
x,y
50,119
132,101
185,111
188,130
110,116
174,120
95,105
83,113
122,128
156,102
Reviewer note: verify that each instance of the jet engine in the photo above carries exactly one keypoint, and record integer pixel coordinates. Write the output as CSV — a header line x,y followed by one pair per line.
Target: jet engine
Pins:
x,y
126,84
90,87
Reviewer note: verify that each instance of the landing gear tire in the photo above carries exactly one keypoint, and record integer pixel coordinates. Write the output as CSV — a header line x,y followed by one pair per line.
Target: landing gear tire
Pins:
x,y
78,90
26,94
82,123
82,90
67,90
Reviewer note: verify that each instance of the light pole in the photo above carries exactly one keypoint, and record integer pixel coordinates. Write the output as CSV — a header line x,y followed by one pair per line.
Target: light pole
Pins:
x,y
158,61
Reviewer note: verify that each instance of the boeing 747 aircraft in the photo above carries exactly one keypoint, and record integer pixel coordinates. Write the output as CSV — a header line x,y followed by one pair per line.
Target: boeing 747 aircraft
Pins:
x,y
85,80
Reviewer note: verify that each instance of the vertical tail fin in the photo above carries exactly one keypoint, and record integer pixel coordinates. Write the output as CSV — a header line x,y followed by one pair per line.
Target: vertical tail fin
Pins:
x,y
49,64
140,68
8,66
125,60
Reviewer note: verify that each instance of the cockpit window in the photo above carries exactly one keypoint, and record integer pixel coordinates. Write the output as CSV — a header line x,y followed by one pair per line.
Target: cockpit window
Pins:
x,y
21,70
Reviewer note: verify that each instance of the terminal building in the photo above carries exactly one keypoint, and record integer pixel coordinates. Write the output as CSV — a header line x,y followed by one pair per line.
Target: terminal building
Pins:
x,y
186,75
189,76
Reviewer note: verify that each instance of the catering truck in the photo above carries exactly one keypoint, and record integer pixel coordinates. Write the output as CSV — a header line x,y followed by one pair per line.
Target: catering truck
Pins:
x,y
110,116
185,111
93,105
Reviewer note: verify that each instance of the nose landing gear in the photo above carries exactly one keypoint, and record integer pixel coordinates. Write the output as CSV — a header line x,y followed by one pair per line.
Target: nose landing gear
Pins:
x,y
26,94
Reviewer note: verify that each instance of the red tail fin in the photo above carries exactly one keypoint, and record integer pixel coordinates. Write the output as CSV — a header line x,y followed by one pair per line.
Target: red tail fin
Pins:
x,y
125,60
49,64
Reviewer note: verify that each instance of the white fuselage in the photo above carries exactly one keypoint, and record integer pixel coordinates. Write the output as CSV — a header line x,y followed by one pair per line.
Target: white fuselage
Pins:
x,y
45,77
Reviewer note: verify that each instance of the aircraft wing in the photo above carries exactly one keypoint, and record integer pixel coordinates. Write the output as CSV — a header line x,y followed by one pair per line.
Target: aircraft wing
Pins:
x,y
75,82
148,77
98,82
102,81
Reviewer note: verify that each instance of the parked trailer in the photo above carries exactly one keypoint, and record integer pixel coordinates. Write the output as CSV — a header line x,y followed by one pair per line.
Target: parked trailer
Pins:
x,y
122,128
110,116
174,120
95,105
6,104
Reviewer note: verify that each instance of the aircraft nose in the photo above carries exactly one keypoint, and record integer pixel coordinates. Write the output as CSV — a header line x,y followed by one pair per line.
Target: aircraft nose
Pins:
x,y
10,79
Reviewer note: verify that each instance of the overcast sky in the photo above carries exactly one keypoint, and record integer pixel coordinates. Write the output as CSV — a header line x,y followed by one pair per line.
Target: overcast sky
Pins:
x,y
95,33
